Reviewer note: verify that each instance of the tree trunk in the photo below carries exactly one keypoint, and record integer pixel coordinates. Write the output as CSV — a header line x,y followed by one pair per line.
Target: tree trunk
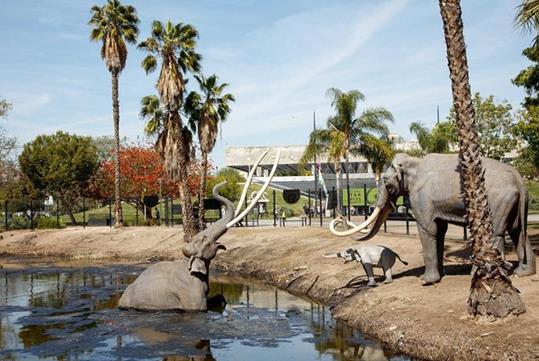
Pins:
x,y
188,219
337,166
118,222
202,191
346,163
491,290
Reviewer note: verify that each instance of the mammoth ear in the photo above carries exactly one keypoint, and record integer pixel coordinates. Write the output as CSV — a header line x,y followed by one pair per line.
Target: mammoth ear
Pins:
x,y
397,164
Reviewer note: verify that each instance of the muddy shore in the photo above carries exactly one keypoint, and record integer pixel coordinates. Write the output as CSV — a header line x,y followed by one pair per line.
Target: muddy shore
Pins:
x,y
425,322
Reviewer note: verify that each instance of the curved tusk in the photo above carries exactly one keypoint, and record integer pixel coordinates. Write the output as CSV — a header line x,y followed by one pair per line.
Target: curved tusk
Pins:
x,y
259,194
353,225
356,228
248,181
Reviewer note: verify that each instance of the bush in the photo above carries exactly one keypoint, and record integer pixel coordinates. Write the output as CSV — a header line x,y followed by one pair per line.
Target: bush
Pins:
x,y
46,223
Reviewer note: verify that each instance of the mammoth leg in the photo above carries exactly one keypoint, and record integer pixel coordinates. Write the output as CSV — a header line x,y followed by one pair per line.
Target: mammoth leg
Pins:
x,y
440,240
389,276
370,273
430,254
526,257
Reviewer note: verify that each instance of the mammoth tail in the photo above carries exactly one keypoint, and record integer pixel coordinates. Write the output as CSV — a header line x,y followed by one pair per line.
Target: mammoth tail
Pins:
x,y
403,262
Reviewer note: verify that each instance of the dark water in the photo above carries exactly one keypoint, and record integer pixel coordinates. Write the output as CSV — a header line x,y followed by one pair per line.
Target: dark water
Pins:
x,y
71,314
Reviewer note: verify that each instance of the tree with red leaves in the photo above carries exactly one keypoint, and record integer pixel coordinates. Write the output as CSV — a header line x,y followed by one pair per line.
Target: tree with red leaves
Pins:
x,y
142,174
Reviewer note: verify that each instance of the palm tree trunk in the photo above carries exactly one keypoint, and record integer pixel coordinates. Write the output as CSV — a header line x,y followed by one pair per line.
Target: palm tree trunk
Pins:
x,y
116,119
491,290
202,192
188,219
338,185
346,163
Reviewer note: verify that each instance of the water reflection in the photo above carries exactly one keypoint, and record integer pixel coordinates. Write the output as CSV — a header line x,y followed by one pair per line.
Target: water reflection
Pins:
x,y
72,313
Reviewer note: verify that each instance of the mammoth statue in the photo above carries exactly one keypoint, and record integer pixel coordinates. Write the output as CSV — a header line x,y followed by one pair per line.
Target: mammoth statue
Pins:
x,y
435,192
183,284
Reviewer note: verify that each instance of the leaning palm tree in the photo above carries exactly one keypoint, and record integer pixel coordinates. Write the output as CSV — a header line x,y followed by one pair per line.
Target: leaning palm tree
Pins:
x,y
206,111
175,46
491,290
356,129
115,24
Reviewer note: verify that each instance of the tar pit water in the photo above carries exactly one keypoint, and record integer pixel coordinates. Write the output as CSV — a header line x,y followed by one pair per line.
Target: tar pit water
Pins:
x,y
72,314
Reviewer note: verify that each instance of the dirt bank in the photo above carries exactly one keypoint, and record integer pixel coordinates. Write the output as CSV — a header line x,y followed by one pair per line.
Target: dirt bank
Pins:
x,y
426,322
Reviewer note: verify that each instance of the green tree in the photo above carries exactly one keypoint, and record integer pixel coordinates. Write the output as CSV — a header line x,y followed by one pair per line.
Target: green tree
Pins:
x,y
115,24
5,107
60,165
206,111
378,151
437,140
494,124
527,129
233,187
175,46
358,130
491,291
527,17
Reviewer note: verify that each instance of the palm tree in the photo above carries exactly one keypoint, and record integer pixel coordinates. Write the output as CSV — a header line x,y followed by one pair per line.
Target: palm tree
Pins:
x,y
527,17
491,290
115,24
437,140
206,111
331,142
174,45
356,130
378,151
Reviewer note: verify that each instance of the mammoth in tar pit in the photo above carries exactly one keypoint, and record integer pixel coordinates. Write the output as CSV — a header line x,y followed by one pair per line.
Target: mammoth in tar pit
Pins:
x,y
434,187
183,284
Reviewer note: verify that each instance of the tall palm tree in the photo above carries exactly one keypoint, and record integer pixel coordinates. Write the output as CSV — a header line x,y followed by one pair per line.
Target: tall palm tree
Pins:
x,y
206,111
175,46
491,290
356,129
115,24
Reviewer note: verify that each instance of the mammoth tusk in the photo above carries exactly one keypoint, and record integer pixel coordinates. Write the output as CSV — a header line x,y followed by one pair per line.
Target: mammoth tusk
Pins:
x,y
259,194
355,229
248,181
353,225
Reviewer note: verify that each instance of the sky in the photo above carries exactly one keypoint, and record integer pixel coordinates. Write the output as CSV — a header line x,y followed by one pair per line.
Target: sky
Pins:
x,y
279,58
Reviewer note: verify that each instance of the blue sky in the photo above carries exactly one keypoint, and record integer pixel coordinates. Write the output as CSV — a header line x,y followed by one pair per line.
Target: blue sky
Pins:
x,y
279,57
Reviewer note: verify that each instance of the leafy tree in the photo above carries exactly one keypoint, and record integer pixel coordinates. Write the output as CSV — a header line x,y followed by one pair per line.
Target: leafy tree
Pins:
x,y
527,129
60,165
143,174
491,291
495,124
175,46
5,107
206,111
115,24
233,187
437,140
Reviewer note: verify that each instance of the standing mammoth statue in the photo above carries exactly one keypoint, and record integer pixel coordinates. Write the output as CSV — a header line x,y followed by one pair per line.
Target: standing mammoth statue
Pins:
x,y
434,188
183,284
